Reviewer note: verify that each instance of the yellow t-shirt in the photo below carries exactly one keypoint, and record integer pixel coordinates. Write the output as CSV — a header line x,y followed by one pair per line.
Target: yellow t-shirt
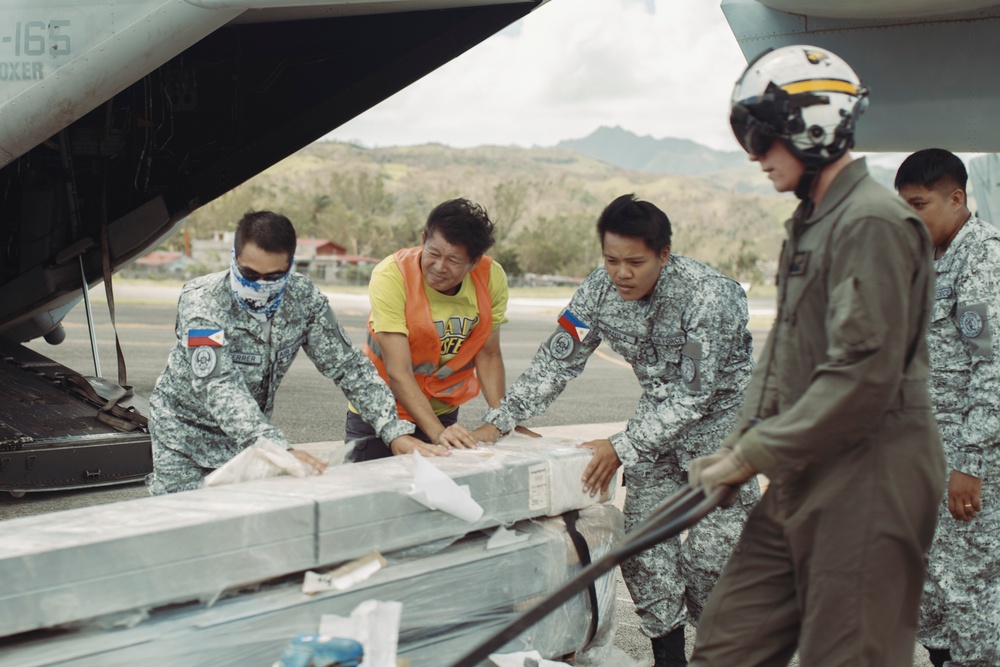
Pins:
x,y
454,316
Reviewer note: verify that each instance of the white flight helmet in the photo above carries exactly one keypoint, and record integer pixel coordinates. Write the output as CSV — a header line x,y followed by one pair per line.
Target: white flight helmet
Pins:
x,y
807,97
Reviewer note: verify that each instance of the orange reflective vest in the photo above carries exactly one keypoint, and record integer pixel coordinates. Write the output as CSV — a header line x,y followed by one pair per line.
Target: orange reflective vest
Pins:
x,y
454,382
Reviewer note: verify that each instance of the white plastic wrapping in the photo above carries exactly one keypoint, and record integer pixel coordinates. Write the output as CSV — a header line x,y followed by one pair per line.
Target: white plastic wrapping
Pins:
x,y
87,562
83,563
435,490
518,658
451,601
373,623
264,459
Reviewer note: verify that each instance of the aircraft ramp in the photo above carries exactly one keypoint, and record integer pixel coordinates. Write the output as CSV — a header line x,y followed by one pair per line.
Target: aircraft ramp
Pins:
x,y
50,438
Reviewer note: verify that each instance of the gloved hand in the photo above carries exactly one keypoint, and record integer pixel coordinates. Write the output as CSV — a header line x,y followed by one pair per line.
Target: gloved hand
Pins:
x,y
698,465
724,467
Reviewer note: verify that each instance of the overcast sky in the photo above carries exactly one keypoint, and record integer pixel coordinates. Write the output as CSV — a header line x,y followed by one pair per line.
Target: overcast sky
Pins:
x,y
663,68
659,67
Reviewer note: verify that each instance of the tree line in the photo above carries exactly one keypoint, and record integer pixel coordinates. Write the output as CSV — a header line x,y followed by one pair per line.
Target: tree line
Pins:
x,y
545,205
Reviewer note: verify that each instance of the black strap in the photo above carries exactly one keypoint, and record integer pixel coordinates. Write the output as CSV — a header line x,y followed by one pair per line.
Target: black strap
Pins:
x,y
583,551
109,412
106,268
681,510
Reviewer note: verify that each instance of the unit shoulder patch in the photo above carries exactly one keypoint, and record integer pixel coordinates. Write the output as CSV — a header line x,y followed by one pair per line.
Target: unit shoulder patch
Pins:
x,y
561,345
974,324
203,361
971,324
343,334
688,369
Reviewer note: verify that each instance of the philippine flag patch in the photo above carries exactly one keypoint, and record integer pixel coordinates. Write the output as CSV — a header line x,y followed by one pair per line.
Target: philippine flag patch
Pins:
x,y
574,325
206,338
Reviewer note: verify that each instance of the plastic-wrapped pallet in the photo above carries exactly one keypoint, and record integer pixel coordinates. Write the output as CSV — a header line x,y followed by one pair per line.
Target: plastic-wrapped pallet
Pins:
x,y
83,563
452,600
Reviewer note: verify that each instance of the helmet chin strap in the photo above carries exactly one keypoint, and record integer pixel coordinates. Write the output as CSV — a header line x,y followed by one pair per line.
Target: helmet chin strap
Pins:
x,y
804,189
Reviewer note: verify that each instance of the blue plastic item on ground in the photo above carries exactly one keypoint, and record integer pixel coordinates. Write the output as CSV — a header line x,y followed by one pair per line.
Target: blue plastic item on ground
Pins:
x,y
308,650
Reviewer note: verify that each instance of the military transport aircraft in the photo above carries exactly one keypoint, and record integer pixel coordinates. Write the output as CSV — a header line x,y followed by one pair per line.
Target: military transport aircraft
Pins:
x,y
117,119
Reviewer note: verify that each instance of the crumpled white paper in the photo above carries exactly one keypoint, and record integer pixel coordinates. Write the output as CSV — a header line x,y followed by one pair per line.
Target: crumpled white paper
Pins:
x,y
373,623
434,489
265,458
344,577
522,659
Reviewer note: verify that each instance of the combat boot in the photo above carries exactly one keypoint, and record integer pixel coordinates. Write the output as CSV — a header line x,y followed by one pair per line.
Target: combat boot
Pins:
x,y
668,651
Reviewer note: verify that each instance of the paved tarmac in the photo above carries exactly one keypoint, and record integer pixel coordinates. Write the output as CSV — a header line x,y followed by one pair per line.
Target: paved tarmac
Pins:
x,y
310,409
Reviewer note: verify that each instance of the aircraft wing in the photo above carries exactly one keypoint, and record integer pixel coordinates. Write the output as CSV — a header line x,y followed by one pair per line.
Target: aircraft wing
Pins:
x,y
930,65
118,119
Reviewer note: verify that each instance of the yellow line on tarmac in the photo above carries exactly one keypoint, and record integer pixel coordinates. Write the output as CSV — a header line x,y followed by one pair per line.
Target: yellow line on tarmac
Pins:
x,y
606,357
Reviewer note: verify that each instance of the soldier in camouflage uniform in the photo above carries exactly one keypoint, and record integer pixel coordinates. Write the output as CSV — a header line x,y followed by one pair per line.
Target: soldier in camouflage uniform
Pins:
x,y
682,326
238,332
960,610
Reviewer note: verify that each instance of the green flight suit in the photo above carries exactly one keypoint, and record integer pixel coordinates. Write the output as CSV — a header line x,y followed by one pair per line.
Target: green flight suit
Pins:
x,y
839,419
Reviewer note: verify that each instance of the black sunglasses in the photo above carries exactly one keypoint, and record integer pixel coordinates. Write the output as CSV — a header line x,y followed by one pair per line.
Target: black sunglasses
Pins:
x,y
253,276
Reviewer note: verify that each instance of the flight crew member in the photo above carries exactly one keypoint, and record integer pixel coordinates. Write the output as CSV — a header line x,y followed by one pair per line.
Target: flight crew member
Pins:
x,y
831,561
434,329
964,560
238,332
683,327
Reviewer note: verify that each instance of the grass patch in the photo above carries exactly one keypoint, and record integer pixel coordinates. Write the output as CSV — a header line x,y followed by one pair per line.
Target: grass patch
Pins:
x,y
763,290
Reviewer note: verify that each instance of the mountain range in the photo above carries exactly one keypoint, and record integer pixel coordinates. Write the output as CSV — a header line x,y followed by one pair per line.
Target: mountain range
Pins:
x,y
681,157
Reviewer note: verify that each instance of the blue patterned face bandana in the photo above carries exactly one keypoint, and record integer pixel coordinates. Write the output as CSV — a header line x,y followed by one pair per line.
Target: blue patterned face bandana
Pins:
x,y
260,298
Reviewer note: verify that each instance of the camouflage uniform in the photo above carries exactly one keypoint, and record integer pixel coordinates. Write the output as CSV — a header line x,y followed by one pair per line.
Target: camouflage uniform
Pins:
x,y
206,409
961,605
691,351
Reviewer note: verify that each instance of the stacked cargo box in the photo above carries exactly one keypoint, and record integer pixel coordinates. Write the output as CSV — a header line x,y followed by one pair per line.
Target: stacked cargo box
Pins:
x,y
158,562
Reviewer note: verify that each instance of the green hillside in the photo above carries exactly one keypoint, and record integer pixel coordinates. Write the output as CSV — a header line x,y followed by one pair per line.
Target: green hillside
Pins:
x,y
545,202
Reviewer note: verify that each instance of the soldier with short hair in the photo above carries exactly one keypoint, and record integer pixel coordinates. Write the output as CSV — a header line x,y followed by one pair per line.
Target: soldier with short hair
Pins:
x,y
683,327
238,332
959,619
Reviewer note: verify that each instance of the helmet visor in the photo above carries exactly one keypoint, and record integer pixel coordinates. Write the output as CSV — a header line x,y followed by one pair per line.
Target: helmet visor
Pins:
x,y
755,136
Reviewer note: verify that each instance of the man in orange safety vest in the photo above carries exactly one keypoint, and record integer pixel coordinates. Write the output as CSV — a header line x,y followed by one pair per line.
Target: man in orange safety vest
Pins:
x,y
434,330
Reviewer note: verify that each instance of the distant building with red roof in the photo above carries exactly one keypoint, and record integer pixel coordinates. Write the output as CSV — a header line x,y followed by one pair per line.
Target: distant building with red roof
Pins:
x,y
164,264
322,260
307,248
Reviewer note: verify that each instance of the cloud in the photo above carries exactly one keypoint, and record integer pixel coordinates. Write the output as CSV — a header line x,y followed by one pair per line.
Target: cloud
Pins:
x,y
658,67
